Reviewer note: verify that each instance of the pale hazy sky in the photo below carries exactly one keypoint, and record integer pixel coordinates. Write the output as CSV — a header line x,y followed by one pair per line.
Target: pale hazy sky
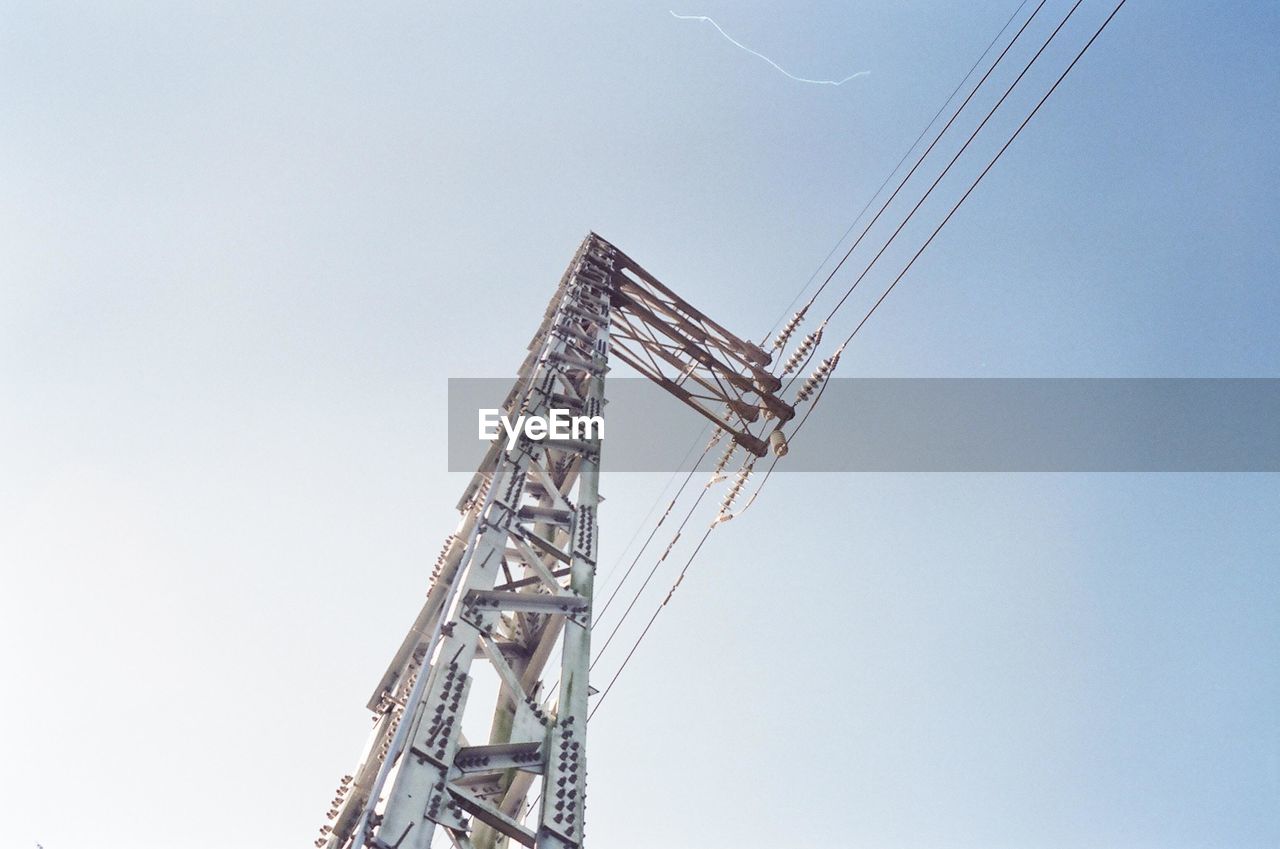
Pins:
x,y
245,244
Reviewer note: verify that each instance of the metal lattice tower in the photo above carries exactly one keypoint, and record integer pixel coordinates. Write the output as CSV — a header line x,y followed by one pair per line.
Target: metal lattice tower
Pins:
x,y
513,584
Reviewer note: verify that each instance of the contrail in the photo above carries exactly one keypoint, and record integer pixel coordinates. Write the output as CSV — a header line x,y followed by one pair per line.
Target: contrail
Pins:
x,y
742,46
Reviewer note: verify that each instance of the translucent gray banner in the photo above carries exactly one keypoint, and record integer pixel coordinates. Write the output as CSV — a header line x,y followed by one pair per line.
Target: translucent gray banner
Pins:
x,y
945,425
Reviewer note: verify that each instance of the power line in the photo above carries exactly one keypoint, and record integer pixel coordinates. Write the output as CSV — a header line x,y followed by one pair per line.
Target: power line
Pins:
x,y
649,577
706,534
886,181
990,164
920,160
814,276
636,597
957,155
938,229
685,569
955,158
861,213
661,519
648,625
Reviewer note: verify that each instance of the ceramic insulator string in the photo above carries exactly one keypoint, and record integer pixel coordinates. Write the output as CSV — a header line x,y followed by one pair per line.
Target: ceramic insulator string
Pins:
x,y
819,376
798,356
739,481
724,460
785,334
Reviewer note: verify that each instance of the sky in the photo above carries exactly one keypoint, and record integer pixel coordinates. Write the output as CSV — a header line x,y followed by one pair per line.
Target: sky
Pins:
x,y
244,246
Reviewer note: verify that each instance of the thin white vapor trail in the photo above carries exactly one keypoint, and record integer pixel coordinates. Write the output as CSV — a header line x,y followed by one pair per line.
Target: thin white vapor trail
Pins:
x,y
742,46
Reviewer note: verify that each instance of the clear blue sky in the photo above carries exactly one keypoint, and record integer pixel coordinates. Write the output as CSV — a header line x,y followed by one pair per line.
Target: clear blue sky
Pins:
x,y
244,245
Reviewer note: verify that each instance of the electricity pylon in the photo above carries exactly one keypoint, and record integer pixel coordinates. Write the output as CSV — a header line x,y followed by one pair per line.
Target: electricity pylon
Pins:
x,y
513,583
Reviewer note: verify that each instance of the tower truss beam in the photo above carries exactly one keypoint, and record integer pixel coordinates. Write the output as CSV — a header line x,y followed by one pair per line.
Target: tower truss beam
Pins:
x,y
513,584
